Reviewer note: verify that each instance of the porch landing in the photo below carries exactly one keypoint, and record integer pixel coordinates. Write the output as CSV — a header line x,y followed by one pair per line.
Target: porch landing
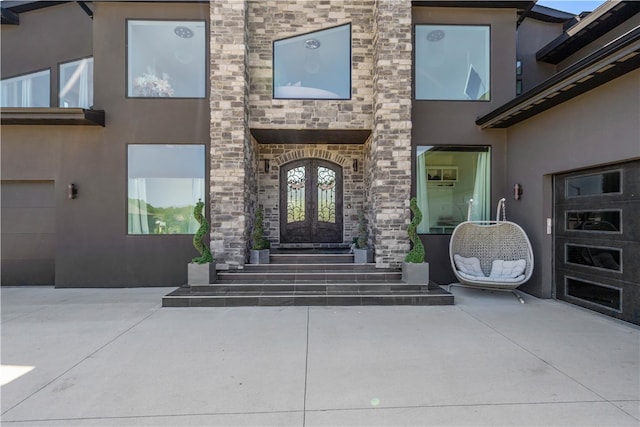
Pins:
x,y
308,277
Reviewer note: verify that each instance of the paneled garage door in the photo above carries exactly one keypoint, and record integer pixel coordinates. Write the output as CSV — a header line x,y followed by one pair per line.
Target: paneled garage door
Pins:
x,y
28,233
597,239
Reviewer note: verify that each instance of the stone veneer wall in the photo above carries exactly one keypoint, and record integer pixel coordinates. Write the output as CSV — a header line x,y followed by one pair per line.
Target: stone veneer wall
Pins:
x,y
271,20
233,186
242,35
342,154
389,162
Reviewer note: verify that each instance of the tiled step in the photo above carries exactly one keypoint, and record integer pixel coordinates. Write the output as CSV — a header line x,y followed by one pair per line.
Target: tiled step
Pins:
x,y
306,295
311,258
310,277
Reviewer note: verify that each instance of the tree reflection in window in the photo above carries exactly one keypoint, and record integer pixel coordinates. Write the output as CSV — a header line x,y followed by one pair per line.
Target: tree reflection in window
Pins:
x,y
326,195
296,179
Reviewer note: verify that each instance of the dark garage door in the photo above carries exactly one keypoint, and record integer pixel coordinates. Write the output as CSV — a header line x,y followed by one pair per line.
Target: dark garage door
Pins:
x,y
597,239
28,233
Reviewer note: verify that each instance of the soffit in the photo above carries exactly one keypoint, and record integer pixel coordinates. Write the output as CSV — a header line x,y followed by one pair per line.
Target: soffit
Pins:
x,y
311,136
52,116
614,60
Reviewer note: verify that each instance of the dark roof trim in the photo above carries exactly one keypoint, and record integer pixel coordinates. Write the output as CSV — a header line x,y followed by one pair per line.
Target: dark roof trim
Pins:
x,y
52,116
613,60
311,136
547,14
599,22
87,10
9,17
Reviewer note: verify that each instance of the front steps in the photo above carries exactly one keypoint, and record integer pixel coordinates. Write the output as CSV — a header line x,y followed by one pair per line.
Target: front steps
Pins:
x,y
308,278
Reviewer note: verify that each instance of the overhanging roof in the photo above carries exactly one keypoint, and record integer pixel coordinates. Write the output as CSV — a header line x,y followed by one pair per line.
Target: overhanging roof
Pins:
x,y
51,116
602,20
310,136
613,60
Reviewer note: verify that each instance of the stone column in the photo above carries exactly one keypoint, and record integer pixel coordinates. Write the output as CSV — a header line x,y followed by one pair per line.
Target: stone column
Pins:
x,y
231,159
390,149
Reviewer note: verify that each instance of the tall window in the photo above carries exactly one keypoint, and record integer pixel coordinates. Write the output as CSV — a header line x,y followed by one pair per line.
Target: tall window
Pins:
x,y
452,62
164,184
313,66
76,84
446,178
166,59
29,90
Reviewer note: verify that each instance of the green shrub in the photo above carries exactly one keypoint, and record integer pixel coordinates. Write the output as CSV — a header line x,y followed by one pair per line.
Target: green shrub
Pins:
x,y
416,254
362,241
258,241
203,250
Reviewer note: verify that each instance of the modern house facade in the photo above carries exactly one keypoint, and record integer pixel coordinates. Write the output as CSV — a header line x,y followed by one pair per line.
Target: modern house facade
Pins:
x,y
127,113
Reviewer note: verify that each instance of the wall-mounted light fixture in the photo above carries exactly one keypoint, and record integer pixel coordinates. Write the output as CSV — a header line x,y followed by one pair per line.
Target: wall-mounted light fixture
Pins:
x,y
517,192
72,191
266,165
355,165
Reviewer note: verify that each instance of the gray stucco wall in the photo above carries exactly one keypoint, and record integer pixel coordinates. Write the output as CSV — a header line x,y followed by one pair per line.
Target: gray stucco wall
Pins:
x,y
453,122
596,128
93,248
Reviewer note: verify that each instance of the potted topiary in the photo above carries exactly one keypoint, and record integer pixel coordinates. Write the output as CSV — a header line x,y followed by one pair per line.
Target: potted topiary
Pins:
x,y
362,253
414,268
259,253
202,269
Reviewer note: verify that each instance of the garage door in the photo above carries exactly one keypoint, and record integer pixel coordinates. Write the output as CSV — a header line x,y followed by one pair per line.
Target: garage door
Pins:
x,y
597,239
28,233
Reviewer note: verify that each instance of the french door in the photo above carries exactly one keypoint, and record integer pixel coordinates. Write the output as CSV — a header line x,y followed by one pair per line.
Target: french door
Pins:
x,y
310,202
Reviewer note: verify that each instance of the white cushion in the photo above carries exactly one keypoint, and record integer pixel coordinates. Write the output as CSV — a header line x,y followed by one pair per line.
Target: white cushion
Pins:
x,y
501,269
469,266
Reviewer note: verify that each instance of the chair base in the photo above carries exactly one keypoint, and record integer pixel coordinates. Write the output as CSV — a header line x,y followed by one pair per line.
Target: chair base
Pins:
x,y
488,288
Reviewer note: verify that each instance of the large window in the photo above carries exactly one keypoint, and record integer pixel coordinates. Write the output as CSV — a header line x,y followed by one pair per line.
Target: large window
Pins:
x,y
446,178
452,62
76,84
165,182
166,59
313,66
29,90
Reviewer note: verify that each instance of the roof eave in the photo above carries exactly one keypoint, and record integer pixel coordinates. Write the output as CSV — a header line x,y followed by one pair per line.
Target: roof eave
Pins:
x,y
614,60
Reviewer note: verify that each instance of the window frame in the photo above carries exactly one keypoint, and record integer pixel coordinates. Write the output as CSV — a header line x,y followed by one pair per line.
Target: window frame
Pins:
x,y
477,148
273,64
415,69
42,70
126,184
205,54
60,65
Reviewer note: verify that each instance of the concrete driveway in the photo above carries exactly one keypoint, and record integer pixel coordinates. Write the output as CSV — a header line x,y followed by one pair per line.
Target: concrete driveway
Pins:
x,y
114,357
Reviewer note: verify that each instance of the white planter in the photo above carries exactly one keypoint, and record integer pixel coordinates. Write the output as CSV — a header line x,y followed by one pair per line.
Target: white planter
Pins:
x,y
362,256
415,273
259,256
201,274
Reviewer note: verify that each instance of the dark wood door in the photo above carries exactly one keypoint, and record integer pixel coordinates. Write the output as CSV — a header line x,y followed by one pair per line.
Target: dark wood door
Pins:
x,y
310,202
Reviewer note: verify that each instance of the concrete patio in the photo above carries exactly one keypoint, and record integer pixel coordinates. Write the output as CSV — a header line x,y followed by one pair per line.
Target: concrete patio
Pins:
x,y
102,357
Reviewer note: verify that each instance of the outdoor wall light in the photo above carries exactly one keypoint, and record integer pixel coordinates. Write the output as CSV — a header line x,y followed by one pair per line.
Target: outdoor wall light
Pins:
x,y
517,192
72,191
355,165
266,165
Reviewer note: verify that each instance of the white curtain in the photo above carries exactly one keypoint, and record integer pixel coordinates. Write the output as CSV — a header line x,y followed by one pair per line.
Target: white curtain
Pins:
x,y
138,222
481,188
197,192
83,90
421,192
26,93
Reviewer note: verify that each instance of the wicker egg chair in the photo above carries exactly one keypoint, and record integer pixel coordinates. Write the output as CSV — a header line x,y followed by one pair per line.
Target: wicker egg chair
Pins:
x,y
480,250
